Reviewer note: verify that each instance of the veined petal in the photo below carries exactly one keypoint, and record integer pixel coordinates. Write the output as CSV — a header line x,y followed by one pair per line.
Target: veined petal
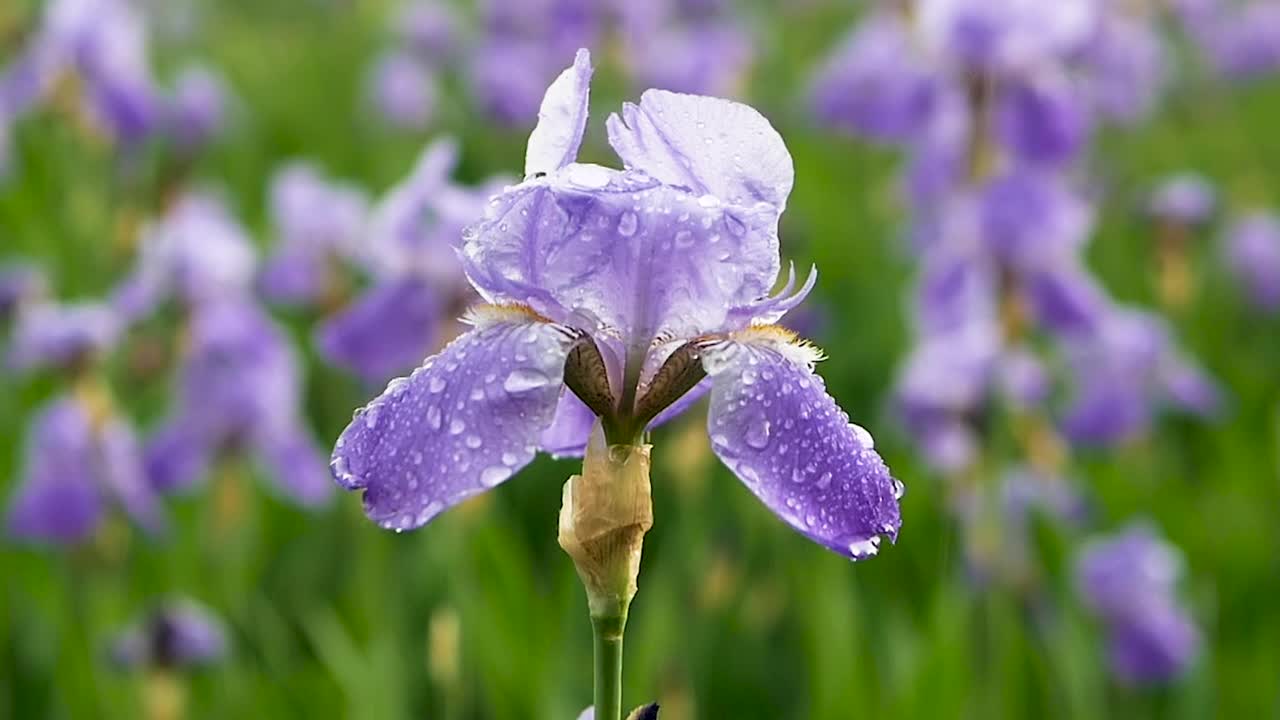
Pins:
x,y
706,144
460,424
562,119
772,423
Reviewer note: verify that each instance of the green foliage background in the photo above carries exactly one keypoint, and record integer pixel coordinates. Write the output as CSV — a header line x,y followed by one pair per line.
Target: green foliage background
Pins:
x,y
737,616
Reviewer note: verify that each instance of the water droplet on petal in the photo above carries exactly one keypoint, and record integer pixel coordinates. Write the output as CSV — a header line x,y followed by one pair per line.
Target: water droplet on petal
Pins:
x,y
474,441
493,475
433,417
436,384
824,481
758,434
456,426
864,438
898,489
627,224
524,380
865,547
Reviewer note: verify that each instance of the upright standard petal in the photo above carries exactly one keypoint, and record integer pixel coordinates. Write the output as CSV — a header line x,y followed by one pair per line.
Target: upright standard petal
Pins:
x,y
460,424
706,144
562,119
772,423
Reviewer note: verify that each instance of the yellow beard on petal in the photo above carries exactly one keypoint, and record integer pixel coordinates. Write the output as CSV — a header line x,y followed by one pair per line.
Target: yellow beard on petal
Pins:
x,y
490,314
783,341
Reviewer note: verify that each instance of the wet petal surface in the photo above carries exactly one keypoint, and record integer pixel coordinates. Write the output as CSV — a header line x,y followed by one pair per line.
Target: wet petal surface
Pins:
x,y
773,423
461,424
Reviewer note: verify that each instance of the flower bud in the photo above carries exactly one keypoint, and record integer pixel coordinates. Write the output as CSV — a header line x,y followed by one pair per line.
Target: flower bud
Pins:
x,y
605,513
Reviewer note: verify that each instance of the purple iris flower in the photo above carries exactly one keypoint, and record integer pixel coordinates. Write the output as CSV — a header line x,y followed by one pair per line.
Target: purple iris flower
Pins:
x,y
627,294
106,43
1244,42
1252,249
198,252
61,335
417,280
1127,67
1043,119
1183,199
876,83
198,107
686,47
78,462
1009,37
179,633
318,223
429,29
402,90
1125,370
239,389
1129,580
21,282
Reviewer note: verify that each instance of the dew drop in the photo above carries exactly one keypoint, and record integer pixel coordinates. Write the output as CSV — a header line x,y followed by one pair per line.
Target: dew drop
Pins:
x,y
758,434
493,475
473,441
524,380
898,489
436,384
866,547
864,438
433,417
627,224
456,426
824,481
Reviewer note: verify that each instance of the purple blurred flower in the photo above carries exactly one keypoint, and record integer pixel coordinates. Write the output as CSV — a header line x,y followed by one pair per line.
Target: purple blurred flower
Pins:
x,y
1124,371
106,43
417,278
197,252
180,633
402,90
1129,580
239,389
1244,41
1009,37
76,465
876,82
652,280
1043,120
1183,199
507,78
429,29
198,107
702,58
318,222
1252,249
1127,67
61,335
21,282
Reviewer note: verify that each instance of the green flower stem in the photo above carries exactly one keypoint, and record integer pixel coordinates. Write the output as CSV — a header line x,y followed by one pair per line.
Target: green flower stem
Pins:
x,y
608,631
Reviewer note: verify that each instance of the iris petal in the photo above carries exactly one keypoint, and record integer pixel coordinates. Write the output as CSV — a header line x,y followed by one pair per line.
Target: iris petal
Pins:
x,y
562,119
388,330
773,423
462,423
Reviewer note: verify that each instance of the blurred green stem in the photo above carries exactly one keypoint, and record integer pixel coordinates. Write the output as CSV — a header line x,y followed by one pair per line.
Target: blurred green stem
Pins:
x,y
608,631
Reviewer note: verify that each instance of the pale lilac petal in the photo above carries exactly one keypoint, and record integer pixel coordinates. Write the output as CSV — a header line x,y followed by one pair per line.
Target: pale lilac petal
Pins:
x,y
387,331
459,425
123,474
179,634
596,247
402,91
51,334
1252,249
772,423
59,499
176,456
562,119
1156,646
568,433
708,145
296,465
